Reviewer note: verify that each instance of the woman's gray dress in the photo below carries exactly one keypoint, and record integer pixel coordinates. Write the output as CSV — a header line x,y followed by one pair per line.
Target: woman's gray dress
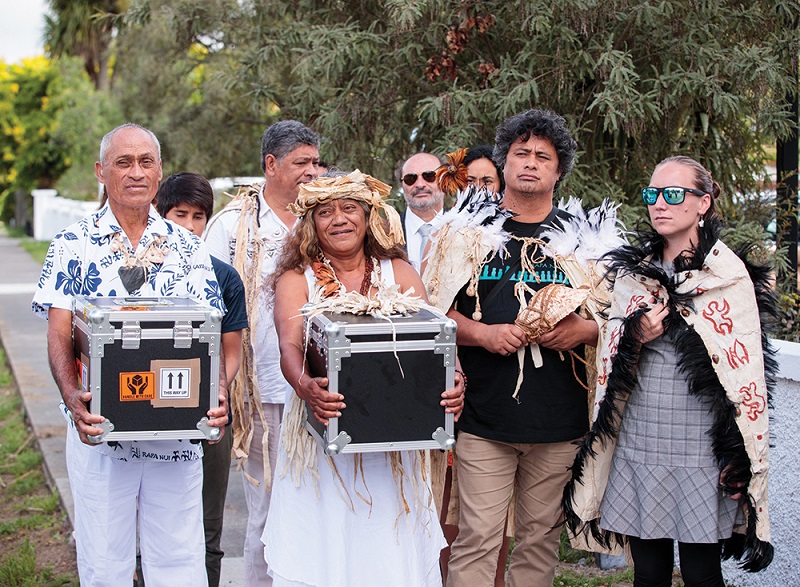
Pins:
x,y
664,480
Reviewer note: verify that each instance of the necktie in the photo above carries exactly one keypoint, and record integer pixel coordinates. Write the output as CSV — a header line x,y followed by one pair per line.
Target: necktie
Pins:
x,y
425,232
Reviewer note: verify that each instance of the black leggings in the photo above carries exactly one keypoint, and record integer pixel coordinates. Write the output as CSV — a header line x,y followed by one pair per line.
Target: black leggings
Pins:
x,y
653,563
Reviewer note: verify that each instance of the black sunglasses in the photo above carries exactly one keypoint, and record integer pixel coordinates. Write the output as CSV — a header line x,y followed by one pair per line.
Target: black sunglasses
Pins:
x,y
672,195
411,178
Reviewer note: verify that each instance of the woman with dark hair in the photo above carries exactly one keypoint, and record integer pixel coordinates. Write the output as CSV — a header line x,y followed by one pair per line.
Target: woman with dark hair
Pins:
x,y
679,448
358,519
482,171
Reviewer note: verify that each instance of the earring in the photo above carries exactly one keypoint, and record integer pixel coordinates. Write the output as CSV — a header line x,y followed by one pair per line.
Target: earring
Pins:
x,y
702,222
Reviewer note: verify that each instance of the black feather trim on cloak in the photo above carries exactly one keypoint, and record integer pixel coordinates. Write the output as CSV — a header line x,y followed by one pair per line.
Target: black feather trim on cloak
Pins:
x,y
694,362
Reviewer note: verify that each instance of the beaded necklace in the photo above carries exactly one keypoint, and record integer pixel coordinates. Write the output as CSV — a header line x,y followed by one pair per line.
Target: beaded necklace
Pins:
x,y
330,286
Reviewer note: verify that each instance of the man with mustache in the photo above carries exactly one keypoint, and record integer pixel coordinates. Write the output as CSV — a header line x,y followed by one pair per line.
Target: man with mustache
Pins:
x,y
424,203
126,249
249,233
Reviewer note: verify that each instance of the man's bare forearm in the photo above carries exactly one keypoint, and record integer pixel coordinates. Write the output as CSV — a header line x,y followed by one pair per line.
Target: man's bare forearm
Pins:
x,y
61,354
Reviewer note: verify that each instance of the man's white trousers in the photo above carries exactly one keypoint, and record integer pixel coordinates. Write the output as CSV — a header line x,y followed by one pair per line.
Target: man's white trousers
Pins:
x,y
109,492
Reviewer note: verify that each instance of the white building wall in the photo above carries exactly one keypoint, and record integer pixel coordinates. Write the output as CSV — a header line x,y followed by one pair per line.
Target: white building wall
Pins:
x,y
784,481
52,213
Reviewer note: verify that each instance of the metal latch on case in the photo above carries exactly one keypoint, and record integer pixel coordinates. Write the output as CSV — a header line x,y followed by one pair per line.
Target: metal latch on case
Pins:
x,y
182,335
131,334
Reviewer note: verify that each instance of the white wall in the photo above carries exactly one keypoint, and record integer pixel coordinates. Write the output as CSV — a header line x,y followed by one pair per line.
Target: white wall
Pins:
x,y
784,481
52,213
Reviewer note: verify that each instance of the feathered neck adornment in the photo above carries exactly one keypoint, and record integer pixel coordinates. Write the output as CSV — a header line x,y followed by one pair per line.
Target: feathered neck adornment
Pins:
x,y
472,233
719,307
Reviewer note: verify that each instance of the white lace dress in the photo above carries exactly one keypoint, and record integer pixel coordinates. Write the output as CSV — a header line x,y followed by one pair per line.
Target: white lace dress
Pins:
x,y
350,528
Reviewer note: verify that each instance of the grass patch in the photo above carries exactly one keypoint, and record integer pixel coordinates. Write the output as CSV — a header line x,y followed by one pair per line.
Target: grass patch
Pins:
x,y
14,231
20,569
36,249
36,521
31,519
25,483
567,554
43,503
573,579
6,379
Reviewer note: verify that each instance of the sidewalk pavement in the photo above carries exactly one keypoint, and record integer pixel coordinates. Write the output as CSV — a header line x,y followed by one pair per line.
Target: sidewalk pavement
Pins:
x,y
23,336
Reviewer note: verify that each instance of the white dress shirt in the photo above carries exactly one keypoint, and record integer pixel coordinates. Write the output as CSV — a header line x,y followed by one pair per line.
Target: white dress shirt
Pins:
x,y
413,236
220,237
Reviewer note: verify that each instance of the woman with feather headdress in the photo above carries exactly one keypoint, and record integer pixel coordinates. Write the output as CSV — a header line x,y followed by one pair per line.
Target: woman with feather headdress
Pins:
x,y
353,519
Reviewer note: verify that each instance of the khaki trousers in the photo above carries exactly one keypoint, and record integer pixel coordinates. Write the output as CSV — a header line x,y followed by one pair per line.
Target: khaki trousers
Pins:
x,y
487,472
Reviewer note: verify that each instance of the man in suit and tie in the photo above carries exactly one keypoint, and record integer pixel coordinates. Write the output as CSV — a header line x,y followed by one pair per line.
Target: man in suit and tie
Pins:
x,y
424,203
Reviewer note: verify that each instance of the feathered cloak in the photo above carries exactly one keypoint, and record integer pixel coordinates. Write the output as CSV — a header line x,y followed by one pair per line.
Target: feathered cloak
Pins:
x,y
718,304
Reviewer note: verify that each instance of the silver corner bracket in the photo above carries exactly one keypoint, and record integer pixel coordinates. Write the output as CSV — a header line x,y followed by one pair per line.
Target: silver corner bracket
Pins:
x,y
336,445
445,343
107,427
338,346
445,440
210,432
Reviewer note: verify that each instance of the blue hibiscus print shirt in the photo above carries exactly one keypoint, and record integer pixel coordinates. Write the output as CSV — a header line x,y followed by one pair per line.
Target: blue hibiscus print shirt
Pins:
x,y
80,262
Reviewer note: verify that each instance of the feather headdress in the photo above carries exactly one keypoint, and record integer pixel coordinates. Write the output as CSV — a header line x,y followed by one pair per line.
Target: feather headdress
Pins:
x,y
452,176
355,186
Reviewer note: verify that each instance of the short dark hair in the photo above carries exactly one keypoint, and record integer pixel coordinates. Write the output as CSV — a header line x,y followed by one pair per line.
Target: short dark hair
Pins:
x,y
538,123
485,152
283,137
185,188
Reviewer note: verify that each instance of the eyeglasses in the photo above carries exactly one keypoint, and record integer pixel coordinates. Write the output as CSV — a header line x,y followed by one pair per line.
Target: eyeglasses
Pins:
x,y
673,195
411,178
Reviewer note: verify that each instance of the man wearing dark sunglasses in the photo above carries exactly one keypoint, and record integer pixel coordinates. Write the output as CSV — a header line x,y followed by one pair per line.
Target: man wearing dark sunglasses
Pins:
x,y
424,203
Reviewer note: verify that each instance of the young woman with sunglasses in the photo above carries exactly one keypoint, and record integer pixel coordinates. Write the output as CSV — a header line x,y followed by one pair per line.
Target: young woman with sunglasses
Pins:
x,y
679,445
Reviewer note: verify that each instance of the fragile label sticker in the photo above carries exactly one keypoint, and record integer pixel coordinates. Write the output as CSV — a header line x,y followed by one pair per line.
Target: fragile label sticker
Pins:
x,y
174,383
137,386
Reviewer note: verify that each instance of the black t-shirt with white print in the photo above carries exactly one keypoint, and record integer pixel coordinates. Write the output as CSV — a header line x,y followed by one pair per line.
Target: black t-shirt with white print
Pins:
x,y
551,405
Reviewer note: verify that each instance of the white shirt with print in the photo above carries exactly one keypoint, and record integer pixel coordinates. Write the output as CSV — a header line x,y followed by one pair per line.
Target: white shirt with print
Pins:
x,y
80,262
220,237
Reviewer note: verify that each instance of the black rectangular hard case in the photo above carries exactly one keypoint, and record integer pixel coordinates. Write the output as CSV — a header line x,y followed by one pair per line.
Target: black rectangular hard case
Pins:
x,y
391,373
152,365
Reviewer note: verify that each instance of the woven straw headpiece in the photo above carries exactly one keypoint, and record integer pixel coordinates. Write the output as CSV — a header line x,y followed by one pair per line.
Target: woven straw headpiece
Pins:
x,y
354,186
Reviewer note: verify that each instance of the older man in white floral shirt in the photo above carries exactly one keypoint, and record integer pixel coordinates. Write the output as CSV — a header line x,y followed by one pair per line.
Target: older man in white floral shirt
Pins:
x,y
127,249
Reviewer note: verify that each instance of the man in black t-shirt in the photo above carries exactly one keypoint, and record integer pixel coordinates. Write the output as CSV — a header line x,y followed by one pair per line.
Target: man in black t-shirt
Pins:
x,y
523,441
188,200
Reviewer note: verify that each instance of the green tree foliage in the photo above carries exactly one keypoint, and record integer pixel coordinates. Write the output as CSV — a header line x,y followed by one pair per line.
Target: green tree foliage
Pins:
x,y
637,80
84,29
29,93
85,116
172,57
49,116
